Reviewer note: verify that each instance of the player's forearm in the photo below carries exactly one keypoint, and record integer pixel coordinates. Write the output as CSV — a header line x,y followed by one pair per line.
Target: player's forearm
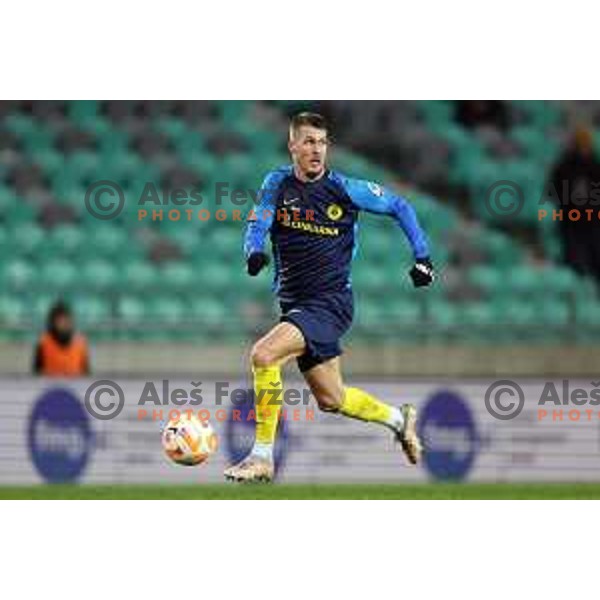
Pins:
x,y
406,217
254,238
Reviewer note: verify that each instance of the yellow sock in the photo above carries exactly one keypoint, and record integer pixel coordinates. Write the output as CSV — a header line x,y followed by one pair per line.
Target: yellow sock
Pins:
x,y
266,381
358,404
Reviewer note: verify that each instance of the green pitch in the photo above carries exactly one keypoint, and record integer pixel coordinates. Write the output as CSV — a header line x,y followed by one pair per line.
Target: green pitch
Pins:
x,y
306,492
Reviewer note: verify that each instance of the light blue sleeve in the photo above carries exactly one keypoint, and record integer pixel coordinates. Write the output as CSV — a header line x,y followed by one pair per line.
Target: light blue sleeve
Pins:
x,y
258,229
374,198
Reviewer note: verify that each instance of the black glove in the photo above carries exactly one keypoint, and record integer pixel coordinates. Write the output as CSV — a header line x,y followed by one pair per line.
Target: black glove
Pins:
x,y
256,263
422,273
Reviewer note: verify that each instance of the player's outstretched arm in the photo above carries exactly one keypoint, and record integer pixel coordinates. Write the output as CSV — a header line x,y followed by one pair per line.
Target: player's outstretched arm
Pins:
x,y
376,199
259,223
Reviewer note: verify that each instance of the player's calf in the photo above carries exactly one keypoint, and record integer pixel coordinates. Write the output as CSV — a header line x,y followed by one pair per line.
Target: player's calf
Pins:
x,y
408,436
359,404
329,402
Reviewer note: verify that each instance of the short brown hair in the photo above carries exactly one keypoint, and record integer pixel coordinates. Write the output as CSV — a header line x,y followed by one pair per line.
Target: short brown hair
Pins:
x,y
308,118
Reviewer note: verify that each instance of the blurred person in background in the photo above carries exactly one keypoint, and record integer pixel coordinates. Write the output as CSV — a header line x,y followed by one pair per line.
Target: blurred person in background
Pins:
x,y
61,351
573,180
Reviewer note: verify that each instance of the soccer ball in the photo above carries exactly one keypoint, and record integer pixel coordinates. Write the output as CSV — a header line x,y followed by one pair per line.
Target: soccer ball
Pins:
x,y
189,441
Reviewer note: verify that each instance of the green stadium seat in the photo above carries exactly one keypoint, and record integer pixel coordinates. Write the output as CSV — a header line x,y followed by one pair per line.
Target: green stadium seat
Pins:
x,y
466,162
98,126
234,111
68,193
141,275
532,139
178,276
83,110
455,136
17,275
210,311
477,317
512,310
490,280
173,127
554,318
553,312
402,310
226,243
6,244
240,169
12,311
562,281
444,319
38,305
100,274
83,168
59,275
438,114
167,309
8,200
26,238
19,124
442,312
109,241
92,311
38,138
218,276
20,213
379,244
500,249
542,114
371,280
132,310
120,165
65,241
527,280
205,164
187,141
370,314
115,142
50,160
587,316
550,238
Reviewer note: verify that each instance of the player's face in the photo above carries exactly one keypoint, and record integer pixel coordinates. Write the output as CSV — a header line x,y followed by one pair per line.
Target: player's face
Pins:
x,y
308,147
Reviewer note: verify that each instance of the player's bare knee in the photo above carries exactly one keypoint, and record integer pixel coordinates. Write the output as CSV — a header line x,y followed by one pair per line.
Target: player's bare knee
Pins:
x,y
262,356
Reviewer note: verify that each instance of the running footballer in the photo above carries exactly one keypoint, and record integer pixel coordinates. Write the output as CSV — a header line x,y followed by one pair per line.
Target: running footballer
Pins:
x,y
310,214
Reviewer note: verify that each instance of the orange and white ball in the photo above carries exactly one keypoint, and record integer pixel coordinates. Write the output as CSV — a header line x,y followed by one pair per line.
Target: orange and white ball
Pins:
x,y
189,441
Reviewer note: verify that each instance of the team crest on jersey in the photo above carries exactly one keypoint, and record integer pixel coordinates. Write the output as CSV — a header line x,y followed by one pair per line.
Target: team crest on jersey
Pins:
x,y
375,188
335,212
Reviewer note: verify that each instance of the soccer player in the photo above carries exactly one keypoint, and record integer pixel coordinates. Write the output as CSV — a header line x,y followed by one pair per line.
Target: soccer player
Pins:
x,y
310,213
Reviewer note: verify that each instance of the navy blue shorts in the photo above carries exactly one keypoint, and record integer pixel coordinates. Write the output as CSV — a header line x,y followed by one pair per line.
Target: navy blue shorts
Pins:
x,y
322,321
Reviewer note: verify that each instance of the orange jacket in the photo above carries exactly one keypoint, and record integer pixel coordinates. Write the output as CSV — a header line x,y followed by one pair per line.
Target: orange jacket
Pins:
x,y
54,360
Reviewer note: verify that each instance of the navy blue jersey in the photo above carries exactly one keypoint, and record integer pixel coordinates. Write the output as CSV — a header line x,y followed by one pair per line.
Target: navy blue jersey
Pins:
x,y
313,229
